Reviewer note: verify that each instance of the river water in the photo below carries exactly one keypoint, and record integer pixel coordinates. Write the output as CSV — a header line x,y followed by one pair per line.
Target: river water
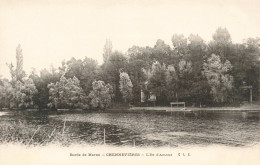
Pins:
x,y
149,129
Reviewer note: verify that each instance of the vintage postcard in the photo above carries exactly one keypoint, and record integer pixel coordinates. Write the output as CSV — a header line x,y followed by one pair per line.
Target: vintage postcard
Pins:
x,y
129,82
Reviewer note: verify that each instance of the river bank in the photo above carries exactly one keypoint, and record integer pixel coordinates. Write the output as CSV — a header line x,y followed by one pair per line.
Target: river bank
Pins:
x,y
245,107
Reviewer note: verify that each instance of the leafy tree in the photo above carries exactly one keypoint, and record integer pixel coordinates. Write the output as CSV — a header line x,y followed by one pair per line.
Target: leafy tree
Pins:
x,y
252,52
222,35
198,86
85,70
22,90
245,62
179,43
41,99
221,44
172,83
126,87
76,96
67,93
196,53
157,82
19,96
219,79
161,52
139,60
27,90
185,78
101,95
6,93
110,72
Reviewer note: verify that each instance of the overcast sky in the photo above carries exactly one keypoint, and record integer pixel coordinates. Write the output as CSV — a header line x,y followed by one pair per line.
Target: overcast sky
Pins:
x,y
50,31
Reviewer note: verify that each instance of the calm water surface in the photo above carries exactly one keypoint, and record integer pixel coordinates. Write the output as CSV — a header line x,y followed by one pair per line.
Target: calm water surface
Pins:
x,y
142,129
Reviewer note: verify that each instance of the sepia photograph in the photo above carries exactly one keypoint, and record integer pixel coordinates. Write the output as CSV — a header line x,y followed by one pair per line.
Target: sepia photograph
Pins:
x,y
129,82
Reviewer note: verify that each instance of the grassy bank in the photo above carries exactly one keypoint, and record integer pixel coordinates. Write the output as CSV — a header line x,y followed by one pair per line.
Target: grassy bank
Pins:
x,y
27,134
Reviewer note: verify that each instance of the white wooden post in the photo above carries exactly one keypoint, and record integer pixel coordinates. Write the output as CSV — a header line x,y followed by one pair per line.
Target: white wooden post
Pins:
x,y
251,96
104,136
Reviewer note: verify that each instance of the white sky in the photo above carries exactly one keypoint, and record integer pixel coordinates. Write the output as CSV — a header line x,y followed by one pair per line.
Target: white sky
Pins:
x,y
50,31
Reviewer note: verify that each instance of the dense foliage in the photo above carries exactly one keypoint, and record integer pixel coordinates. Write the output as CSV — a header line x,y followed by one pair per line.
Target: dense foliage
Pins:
x,y
220,81
101,95
67,93
189,70
126,87
17,95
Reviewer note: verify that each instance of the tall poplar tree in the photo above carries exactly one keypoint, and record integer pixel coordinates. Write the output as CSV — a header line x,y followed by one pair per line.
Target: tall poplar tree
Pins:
x,y
107,50
20,74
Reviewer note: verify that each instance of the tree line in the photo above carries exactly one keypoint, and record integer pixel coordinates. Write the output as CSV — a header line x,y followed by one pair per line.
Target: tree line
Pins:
x,y
189,70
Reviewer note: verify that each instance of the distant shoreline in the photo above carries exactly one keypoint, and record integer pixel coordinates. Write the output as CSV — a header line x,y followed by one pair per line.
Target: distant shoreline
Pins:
x,y
242,108
159,108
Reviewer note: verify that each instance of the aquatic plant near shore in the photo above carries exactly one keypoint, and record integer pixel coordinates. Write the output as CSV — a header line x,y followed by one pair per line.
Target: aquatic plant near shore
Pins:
x,y
28,134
